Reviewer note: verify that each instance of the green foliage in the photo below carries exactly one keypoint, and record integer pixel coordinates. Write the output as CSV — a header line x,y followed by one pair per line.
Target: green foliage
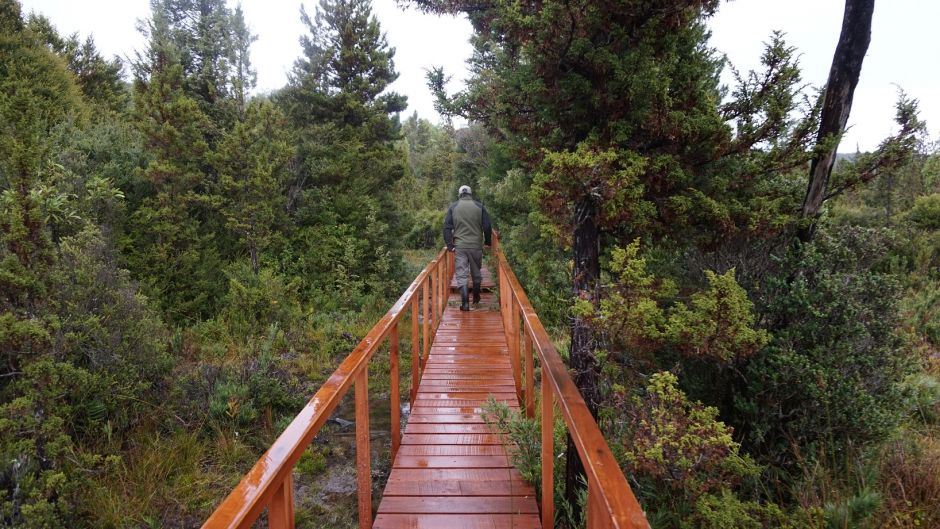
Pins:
x,y
256,302
312,461
922,392
99,377
38,485
98,78
678,446
251,162
830,378
523,437
718,323
522,434
168,246
640,313
926,212
724,510
341,194
614,175
853,512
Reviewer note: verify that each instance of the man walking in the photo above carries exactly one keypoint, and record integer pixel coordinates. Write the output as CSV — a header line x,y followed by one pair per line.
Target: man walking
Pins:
x,y
466,230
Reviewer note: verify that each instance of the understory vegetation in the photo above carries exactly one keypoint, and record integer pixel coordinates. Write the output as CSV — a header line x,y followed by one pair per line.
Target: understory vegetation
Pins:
x,y
183,262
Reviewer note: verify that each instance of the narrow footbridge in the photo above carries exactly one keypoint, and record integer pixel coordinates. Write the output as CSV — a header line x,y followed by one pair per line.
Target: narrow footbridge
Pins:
x,y
449,469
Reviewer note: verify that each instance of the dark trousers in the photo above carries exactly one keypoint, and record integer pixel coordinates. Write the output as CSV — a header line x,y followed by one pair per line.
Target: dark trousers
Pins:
x,y
468,262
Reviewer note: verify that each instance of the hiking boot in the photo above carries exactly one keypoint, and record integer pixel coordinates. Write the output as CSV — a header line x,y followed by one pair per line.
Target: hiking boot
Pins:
x,y
464,299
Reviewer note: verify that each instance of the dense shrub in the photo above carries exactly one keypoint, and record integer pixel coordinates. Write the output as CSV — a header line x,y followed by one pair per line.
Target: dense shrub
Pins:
x,y
830,377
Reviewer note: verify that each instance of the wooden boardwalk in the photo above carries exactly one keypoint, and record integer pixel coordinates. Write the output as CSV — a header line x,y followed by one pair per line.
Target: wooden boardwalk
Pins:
x,y
451,471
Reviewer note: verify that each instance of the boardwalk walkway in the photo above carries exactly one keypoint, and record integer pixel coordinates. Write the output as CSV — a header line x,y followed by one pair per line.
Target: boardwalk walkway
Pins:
x,y
451,471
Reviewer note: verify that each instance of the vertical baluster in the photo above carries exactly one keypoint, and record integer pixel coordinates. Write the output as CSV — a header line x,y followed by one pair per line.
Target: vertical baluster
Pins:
x,y
548,456
514,356
415,348
426,290
444,288
281,508
432,293
450,269
396,398
529,375
437,295
438,275
363,451
504,297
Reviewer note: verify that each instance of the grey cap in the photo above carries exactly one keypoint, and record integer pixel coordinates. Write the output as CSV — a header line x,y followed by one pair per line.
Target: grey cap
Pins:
x,y
464,190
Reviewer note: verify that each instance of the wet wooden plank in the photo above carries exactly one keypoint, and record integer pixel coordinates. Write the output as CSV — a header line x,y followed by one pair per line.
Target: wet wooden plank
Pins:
x,y
482,395
454,474
449,438
459,488
509,400
454,450
450,418
456,389
457,505
403,461
421,409
493,376
456,521
447,428
451,471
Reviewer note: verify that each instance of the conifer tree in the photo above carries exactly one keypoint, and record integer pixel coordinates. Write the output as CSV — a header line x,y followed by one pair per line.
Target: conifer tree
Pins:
x,y
99,78
347,122
244,77
169,246
36,94
251,162
614,111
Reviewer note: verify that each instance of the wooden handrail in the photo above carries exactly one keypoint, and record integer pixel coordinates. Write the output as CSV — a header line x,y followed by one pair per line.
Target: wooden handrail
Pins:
x,y
269,483
611,503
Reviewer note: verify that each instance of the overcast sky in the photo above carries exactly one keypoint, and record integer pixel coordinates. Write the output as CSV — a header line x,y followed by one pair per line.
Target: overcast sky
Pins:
x,y
904,46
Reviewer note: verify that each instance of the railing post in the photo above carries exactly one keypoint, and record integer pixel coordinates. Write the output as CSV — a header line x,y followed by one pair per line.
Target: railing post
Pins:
x,y
415,350
396,397
450,270
426,289
548,457
514,356
281,508
504,297
529,375
445,283
437,295
439,291
439,276
432,294
363,450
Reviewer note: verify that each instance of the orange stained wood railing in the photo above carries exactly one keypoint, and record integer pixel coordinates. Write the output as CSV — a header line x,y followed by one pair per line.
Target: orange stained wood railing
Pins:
x,y
610,501
269,485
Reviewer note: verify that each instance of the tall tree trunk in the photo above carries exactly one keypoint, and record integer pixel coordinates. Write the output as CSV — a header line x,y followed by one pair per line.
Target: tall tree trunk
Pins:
x,y
581,354
837,104
255,265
